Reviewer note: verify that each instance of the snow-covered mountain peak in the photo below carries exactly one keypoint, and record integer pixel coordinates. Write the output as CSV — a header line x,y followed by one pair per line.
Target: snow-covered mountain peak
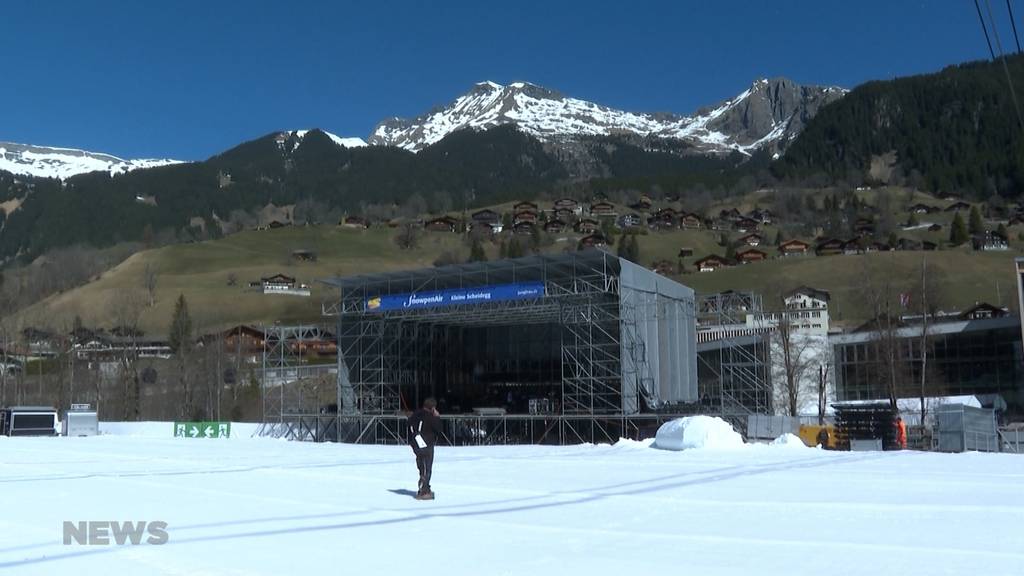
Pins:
x,y
550,115
283,137
49,162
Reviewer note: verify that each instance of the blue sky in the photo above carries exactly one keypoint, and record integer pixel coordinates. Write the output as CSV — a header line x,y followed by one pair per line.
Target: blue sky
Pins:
x,y
189,79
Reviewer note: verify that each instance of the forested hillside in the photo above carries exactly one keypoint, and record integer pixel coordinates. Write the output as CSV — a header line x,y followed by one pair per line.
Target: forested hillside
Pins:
x,y
955,131
464,170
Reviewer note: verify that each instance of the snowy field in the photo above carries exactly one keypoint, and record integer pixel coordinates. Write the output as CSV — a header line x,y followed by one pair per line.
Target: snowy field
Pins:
x,y
259,506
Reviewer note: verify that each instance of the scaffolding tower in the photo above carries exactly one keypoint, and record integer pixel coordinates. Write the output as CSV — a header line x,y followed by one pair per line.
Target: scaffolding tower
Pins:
x,y
736,357
388,357
292,378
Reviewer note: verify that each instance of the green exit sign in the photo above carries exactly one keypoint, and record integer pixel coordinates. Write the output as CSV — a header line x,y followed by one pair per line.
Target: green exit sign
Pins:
x,y
202,429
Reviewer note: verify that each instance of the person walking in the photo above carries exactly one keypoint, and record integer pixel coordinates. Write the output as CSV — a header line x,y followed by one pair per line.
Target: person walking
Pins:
x,y
424,429
901,433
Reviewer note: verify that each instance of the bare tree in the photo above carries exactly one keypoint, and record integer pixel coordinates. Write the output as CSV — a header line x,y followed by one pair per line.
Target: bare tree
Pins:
x,y
125,307
408,237
926,298
149,283
796,355
879,292
822,392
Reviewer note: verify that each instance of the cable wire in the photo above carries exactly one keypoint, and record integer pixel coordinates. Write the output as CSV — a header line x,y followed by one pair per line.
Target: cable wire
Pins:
x,y
1002,58
985,30
1013,23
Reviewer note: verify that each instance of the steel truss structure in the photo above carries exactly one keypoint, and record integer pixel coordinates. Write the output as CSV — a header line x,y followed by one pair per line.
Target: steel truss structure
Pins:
x,y
291,383
735,364
388,350
388,359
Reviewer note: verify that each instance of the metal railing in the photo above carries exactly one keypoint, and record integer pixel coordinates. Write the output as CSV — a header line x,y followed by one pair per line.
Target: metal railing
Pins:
x,y
468,430
1012,440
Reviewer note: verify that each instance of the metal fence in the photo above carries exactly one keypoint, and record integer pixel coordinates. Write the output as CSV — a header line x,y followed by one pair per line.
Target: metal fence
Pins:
x,y
469,430
1012,439
960,428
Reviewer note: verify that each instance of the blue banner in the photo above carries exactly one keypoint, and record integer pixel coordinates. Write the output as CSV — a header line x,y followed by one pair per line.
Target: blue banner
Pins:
x,y
499,293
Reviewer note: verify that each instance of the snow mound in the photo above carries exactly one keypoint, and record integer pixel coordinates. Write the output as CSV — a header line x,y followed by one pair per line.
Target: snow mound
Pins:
x,y
634,444
697,432
789,441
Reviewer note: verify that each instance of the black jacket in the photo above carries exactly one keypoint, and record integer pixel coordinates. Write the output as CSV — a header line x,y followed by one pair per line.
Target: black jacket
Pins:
x,y
425,424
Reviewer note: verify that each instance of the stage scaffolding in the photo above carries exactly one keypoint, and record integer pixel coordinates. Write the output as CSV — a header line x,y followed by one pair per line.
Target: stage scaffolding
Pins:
x,y
735,360
616,349
293,379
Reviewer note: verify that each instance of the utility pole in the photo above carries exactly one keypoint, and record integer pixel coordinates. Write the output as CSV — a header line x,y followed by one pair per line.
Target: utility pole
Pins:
x,y
924,332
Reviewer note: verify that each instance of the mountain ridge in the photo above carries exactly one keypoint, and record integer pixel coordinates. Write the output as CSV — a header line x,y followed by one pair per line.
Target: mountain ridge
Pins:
x,y
54,162
767,115
769,112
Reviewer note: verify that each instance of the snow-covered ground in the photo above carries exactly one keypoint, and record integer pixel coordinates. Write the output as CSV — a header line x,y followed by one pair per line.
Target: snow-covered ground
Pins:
x,y
260,506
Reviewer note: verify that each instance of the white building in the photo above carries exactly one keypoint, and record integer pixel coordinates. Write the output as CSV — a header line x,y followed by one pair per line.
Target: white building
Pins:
x,y
806,311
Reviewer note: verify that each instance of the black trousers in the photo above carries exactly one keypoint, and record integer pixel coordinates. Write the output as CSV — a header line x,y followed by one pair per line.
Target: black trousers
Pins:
x,y
425,464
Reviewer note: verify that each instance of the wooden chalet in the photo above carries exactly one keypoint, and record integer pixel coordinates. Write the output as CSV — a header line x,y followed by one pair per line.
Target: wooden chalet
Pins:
x,y
910,244
587,226
275,282
243,342
711,263
762,215
920,208
525,216
355,222
685,252
555,226
566,214
983,311
525,206
442,224
745,224
794,247
829,247
567,204
663,267
690,220
485,216
664,218
641,205
749,255
752,239
603,209
730,214
958,206
854,246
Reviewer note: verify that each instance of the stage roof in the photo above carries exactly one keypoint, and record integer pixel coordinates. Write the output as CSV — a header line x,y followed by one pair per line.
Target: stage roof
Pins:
x,y
536,268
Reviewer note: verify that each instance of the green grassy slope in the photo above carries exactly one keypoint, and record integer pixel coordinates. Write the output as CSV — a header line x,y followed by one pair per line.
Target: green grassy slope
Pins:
x,y
200,271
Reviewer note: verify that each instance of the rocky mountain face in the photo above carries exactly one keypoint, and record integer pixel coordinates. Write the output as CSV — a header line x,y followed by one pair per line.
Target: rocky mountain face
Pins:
x,y
765,116
47,162
771,113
